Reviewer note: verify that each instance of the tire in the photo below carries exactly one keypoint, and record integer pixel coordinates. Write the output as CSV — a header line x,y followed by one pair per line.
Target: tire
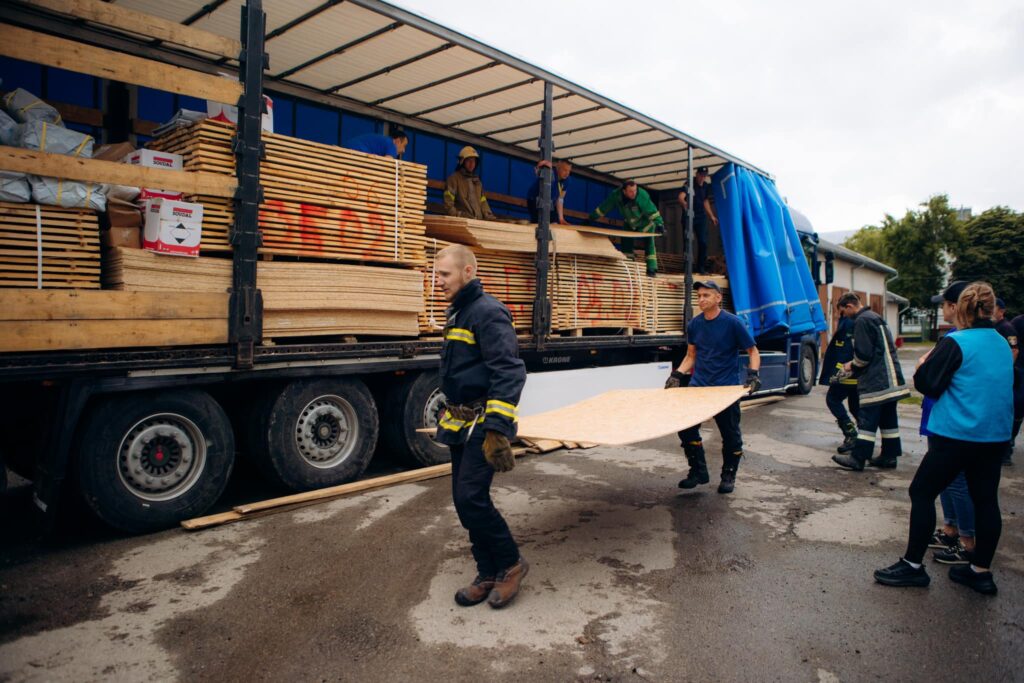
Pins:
x,y
123,477
807,369
410,405
316,433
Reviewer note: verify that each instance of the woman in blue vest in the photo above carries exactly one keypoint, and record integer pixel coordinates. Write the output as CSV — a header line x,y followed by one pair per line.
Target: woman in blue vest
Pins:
x,y
968,373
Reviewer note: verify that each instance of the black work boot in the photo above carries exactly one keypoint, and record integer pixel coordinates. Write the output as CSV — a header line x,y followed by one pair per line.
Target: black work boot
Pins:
x,y
730,463
850,437
698,467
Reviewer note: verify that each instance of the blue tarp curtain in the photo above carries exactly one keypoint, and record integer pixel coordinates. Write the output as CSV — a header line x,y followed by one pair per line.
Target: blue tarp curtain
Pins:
x,y
769,279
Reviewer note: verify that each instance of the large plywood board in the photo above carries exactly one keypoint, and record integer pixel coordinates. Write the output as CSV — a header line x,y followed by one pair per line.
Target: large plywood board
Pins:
x,y
630,415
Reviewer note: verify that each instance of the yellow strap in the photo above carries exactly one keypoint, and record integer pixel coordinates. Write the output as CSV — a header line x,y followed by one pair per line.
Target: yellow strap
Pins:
x,y
42,141
459,334
78,150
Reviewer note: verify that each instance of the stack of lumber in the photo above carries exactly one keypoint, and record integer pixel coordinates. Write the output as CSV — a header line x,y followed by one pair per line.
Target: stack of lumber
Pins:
x,y
300,299
57,248
508,276
65,320
663,311
514,237
594,292
321,201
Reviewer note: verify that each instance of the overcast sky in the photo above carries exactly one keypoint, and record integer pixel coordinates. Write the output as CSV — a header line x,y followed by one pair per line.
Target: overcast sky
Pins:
x,y
858,109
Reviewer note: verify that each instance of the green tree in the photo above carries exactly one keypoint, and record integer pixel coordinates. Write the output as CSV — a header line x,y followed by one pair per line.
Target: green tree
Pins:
x,y
918,245
992,252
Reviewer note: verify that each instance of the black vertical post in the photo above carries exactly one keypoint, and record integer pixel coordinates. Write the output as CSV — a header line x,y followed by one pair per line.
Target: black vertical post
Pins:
x,y
245,324
541,305
688,310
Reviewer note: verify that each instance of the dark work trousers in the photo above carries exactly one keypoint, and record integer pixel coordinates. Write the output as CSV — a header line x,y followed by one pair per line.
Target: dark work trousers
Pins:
x,y
869,420
728,422
982,467
700,236
834,397
492,544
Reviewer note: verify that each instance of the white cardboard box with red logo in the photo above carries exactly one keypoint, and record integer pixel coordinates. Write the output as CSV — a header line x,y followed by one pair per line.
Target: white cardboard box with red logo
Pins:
x,y
153,159
172,227
218,111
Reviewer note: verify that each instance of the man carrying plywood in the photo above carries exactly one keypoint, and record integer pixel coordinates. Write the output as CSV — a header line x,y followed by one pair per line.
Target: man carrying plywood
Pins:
x,y
482,377
715,338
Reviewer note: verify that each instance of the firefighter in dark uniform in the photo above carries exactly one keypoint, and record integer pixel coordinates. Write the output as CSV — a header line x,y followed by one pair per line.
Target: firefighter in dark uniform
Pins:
x,y
842,386
482,377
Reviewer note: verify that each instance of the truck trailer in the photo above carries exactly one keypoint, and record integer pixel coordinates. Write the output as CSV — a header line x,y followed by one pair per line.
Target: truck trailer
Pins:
x,y
147,432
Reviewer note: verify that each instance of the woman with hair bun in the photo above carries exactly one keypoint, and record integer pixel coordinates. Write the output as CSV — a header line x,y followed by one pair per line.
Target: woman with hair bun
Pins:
x,y
969,374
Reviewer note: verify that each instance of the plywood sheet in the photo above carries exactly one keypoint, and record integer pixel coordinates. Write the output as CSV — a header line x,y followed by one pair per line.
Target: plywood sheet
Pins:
x,y
630,415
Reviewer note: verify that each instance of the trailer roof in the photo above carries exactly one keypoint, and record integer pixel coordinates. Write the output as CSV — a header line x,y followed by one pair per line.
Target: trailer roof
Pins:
x,y
380,59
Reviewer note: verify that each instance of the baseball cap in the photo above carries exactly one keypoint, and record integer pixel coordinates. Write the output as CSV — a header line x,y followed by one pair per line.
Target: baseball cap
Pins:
x,y
707,284
951,293
1000,304
702,169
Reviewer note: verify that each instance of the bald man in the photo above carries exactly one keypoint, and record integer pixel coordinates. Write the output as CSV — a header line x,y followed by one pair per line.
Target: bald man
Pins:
x,y
482,377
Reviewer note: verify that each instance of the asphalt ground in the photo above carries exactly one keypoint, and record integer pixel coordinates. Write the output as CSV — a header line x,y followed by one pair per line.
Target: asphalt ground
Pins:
x,y
631,579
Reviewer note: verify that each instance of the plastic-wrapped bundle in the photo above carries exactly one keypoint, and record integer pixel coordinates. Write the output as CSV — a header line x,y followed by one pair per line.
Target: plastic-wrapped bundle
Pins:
x,y
47,137
14,187
24,107
68,193
8,129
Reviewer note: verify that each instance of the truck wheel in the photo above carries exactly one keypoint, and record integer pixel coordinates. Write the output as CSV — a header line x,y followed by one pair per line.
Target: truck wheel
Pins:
x,y
317,433
148,461
808,369
410,405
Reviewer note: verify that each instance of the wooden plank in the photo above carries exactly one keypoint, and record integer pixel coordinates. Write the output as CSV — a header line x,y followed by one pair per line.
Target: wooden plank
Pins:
x,y
97,171
62,53
64,335
109,305
144,24
353,487
610,232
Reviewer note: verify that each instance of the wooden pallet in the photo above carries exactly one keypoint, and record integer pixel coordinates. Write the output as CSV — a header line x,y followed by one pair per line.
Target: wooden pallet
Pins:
x,y
61,251
300,299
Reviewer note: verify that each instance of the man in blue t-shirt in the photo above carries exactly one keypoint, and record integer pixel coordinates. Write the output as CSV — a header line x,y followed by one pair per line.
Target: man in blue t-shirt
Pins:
x,y
715,338
560,173
382,145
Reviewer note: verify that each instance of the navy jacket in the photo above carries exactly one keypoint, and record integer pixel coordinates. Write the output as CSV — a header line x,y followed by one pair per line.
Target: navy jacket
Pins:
x,y
838,352
480,365
876,366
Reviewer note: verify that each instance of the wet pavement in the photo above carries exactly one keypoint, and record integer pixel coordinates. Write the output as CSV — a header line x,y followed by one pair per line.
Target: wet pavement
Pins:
x,y
631,579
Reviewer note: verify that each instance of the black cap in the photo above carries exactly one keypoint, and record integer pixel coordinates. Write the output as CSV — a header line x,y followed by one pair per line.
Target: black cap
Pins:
x,y
702,169
951,293
707,284
1000,304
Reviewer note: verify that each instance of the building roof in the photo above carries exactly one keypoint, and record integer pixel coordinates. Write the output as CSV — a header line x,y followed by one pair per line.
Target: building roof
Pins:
x,y
852,256
375,58
893,297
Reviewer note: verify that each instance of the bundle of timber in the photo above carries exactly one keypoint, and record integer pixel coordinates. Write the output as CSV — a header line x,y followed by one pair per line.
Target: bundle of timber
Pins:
x,y
499,236
595,292
48,247
506,275
64,320
299,299
321,201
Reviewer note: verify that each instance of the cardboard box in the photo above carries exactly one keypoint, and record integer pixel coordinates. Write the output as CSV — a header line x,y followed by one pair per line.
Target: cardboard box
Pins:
x,y
122,237
229,114
172,227
153,159
123,214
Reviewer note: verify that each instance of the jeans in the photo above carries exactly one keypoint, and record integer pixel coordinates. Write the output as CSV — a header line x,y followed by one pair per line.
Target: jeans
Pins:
x,y
834,397
492,545
957,506
981,464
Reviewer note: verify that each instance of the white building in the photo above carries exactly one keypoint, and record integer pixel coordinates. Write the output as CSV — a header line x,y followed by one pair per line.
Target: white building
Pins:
x,y
851,271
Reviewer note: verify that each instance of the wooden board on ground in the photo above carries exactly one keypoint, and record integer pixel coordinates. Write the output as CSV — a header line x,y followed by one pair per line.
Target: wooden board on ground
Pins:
x,y
630,415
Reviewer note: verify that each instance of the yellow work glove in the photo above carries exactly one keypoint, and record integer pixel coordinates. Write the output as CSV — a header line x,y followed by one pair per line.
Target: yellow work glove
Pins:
x,y
498,452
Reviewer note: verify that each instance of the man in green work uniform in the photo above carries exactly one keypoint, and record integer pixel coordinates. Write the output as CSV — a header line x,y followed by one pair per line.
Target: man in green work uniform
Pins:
x,y
639,214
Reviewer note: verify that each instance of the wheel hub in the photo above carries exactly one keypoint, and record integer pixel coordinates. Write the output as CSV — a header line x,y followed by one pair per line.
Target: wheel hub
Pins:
x,y
161,457
326,431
